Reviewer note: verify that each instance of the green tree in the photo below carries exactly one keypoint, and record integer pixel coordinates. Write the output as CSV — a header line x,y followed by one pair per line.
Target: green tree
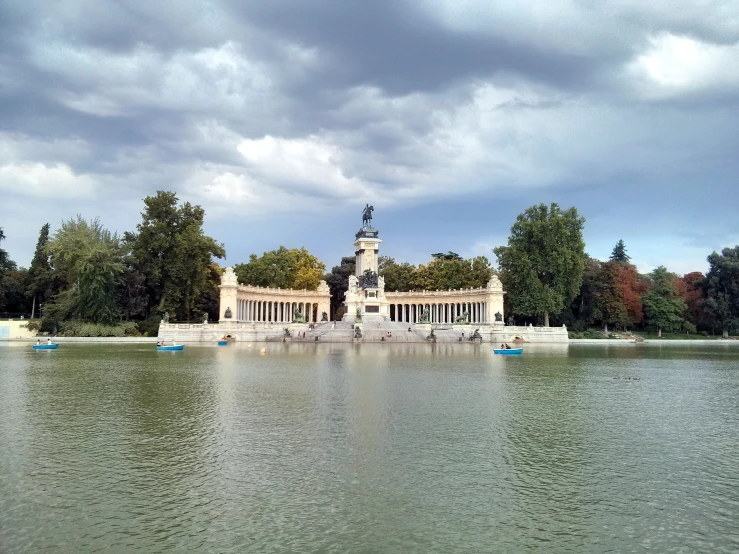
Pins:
x,y
40,273
12,282
662,303
448,256
338,283
721,289
174,255
581,313
284,268
14,285
398,277
5,266
542,266
91,259
619,253
444,273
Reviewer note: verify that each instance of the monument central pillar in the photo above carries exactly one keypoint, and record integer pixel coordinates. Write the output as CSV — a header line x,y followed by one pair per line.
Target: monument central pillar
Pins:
x,y
365,299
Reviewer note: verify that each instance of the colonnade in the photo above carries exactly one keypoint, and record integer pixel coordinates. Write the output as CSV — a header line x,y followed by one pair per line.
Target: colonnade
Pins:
x,y
274,311
477,312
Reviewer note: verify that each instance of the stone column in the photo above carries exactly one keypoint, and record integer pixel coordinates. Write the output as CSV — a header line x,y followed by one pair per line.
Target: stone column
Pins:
x,y
228,295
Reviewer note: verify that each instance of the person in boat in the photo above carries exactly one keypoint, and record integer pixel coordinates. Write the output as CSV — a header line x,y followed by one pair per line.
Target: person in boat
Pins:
x,y
38,341
507,347
48,341
502,346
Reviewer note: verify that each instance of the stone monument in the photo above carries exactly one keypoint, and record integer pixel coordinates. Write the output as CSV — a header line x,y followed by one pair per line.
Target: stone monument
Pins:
x,y
365,298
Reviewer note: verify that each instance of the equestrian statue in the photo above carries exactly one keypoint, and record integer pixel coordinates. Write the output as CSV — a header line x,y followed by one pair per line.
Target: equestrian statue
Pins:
x,y
367,215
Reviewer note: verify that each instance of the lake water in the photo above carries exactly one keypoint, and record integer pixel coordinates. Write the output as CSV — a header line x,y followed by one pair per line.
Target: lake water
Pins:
x,y
369,448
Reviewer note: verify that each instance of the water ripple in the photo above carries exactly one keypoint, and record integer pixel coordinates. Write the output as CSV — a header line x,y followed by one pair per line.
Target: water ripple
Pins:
x,y
334,448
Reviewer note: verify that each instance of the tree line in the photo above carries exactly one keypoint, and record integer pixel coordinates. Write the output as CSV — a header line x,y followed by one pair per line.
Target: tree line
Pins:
x,y
546,272
85,275
84,279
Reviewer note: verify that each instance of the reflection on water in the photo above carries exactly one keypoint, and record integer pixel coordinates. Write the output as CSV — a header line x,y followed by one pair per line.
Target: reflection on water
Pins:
x,y
343,447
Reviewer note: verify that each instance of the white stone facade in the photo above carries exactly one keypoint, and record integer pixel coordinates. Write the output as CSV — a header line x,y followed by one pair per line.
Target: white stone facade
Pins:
x,y
248,304
449,306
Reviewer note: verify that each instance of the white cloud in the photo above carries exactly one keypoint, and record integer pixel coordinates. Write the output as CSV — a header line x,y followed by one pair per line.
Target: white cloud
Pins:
x,y
304,166
38,180
673,65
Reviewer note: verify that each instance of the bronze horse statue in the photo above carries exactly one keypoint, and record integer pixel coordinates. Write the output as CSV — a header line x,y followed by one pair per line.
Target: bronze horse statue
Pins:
x,y
367,215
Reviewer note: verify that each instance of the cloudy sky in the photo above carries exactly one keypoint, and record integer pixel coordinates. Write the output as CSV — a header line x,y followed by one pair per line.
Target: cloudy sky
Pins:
x,y
283,118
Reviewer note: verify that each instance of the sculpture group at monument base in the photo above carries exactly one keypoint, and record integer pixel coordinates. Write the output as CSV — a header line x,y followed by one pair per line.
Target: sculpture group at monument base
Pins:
x,y
342,331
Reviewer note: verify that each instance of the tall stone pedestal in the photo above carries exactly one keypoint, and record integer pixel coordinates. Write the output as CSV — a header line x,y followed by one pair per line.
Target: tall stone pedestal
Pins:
x,y
366,294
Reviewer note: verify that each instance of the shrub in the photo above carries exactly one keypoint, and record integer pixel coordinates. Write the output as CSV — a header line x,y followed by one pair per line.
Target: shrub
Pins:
x,y
34,325
83,329
149,327
587,334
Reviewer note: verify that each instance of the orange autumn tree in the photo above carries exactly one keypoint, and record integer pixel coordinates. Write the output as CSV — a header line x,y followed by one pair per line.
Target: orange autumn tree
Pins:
x,y
618,298
690,288
632,288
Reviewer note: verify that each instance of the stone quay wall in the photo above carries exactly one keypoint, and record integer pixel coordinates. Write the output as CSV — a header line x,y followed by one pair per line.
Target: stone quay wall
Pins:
x,y
371,332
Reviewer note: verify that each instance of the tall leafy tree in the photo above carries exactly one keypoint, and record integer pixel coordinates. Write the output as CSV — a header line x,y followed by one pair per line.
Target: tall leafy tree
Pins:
x,y
14,288
619,253
542,266
6,266
4,258
663,306
444,273
3,270
690,289
398,277
40,273
338,283
610,307
174,255
721,289
633,287
91,258
286,268
581,312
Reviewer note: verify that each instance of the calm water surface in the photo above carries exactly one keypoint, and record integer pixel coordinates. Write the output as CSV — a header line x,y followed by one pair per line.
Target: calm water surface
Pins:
x,y
369,448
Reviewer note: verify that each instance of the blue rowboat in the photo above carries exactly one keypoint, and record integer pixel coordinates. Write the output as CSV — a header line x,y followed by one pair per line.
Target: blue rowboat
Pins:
x,y
508,351
45,346
222,343
172,347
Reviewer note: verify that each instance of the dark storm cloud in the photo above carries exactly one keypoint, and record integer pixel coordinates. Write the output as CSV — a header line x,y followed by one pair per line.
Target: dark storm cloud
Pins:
x,y
391,45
